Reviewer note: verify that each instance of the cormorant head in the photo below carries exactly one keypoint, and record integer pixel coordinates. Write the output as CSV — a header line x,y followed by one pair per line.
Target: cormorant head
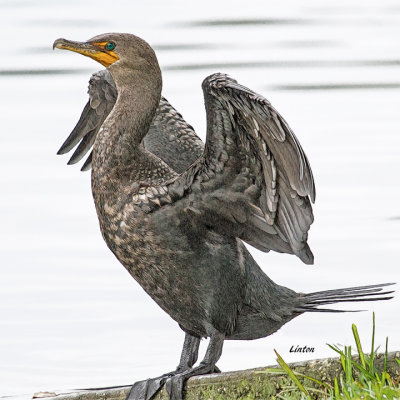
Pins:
x,y
116,50
128,58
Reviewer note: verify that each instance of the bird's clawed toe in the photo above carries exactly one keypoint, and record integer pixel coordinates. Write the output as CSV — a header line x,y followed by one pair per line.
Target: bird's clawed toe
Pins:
x,y
216,370
146,390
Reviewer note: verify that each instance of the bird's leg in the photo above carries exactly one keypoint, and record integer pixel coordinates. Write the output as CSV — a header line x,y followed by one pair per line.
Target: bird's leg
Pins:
x,y
190,352
147,389
174,384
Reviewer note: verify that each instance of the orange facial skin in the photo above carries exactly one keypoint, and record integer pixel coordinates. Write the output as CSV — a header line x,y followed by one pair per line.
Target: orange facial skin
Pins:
x,y
97,50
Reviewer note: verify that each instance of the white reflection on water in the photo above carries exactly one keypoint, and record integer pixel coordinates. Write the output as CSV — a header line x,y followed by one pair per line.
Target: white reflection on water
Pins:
x,y
70,315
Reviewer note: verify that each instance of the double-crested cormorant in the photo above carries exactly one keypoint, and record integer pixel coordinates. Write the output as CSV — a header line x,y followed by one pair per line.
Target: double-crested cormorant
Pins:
x,y
175,215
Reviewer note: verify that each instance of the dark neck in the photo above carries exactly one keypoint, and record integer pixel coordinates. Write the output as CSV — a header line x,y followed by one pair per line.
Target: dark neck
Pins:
x,y
117,151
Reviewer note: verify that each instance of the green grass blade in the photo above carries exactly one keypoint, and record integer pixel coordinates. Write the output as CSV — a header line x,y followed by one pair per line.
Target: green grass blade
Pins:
x,y
372,355
335,348
345,391
348,365
337,391
281,371
291,374
363,370
386,378
343,362
386,355
358,344
325,385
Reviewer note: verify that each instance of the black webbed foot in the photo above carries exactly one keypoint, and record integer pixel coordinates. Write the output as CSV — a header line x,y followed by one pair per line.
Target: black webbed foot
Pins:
x,y
175,384
174,381
147,389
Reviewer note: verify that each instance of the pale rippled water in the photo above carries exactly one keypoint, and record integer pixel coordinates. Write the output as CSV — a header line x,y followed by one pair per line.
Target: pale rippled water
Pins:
x,y
70,315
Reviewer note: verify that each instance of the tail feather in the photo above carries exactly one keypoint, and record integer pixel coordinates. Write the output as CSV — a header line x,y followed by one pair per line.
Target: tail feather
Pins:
x,y
311,301
331,310
377,287
350,297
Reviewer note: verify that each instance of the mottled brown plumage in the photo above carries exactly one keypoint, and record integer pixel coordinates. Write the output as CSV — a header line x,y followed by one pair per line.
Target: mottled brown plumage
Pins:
x,y
178,226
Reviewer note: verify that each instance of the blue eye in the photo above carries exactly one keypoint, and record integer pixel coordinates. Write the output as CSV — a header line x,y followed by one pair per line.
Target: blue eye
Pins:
x,y
110,46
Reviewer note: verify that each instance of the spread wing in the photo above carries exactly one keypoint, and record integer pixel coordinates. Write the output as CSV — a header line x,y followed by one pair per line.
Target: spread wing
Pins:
x,y
169,138
254,180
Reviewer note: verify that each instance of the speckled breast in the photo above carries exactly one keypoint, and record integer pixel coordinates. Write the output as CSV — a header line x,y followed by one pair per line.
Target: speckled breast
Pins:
x,y
172,258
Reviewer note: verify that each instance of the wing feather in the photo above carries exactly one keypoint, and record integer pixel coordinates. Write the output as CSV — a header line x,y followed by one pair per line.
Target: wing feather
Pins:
x,y
288,182
169,138
102,97
256,167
